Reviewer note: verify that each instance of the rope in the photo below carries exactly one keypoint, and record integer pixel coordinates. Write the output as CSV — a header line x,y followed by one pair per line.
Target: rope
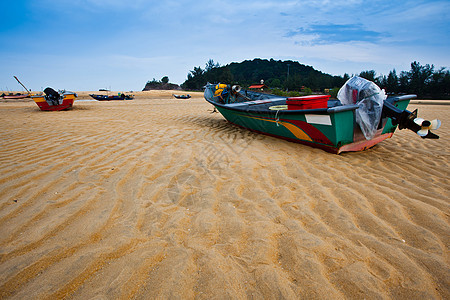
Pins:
x,y
277,118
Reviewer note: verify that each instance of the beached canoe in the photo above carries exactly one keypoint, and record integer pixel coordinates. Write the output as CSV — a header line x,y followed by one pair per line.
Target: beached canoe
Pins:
x,y
53,100
318,121
15,96
111,97
182,96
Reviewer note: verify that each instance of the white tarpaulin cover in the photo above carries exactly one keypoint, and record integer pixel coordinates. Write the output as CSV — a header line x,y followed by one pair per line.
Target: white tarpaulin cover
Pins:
x,y
369,97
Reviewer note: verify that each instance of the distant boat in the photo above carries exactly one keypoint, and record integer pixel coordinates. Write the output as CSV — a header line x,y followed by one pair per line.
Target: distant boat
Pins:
x,y
182,96
18,95
53,100
121,96
15,96
331,125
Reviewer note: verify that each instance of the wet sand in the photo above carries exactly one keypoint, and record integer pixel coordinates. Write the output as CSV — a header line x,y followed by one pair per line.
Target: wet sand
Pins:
x,y
158,198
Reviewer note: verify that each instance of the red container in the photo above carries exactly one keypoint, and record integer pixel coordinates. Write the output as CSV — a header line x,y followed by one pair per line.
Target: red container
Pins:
x,y
307,102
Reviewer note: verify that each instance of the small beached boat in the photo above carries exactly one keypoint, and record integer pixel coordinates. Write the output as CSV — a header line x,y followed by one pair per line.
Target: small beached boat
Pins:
x,y
18,95
53,100
182,96
121,96
361,118
15,96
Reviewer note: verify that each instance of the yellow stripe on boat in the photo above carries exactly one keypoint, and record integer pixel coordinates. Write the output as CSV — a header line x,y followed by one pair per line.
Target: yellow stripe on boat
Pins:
x,y
300,134
38,99
69,96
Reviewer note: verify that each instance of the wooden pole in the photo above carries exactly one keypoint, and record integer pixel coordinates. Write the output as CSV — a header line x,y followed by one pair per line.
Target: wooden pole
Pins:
x,y
22,85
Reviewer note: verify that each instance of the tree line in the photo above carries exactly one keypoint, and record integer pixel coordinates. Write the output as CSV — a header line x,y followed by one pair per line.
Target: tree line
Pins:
x,y
422,80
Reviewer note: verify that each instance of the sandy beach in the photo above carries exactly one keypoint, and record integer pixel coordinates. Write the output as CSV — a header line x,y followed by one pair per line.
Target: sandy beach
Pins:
x,y
159,198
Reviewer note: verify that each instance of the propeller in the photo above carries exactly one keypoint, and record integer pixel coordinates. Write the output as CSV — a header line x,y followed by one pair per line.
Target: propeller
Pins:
x,y
235,89
426,126
409,120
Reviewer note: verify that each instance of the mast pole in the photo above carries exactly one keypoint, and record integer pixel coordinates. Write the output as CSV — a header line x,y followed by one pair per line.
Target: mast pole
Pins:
x,y
22,85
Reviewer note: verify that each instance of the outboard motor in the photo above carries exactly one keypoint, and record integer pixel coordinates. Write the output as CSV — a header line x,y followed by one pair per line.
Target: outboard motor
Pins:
x,y
52,96
409,120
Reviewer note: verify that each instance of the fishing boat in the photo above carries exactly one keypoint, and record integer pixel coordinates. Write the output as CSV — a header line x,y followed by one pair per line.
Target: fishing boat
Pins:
x,y
120,96
15,96
182,96
53,100
360,118
18,95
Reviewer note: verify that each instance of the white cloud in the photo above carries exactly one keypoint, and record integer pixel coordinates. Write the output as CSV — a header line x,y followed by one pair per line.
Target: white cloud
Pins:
x,y
103,40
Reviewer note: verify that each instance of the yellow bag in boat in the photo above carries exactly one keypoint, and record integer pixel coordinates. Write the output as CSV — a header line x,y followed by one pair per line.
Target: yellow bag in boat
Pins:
x,y
219,89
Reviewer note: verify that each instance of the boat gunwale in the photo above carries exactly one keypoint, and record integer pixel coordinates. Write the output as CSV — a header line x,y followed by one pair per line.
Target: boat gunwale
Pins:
x,y
334,109
64,94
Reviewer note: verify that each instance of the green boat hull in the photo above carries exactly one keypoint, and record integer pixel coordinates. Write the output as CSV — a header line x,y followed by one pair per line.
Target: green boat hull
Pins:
x,y
333,129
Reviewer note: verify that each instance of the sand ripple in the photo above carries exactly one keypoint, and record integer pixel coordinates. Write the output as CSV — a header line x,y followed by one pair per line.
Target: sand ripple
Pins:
x,y
160,198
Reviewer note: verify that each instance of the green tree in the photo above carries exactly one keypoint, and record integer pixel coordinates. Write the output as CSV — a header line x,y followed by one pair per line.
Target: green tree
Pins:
x,y
195,79
334,92
439,85
307,91
369,75
197,71
346,77
210,64
274,82
392,82
225,75
165,79
403,81
419,77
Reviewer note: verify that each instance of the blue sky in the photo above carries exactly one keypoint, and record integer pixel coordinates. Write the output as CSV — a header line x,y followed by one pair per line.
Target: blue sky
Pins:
x,y
118,44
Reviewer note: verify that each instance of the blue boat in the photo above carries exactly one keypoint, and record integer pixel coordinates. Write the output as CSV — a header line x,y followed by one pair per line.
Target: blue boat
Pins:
x,y
120,96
